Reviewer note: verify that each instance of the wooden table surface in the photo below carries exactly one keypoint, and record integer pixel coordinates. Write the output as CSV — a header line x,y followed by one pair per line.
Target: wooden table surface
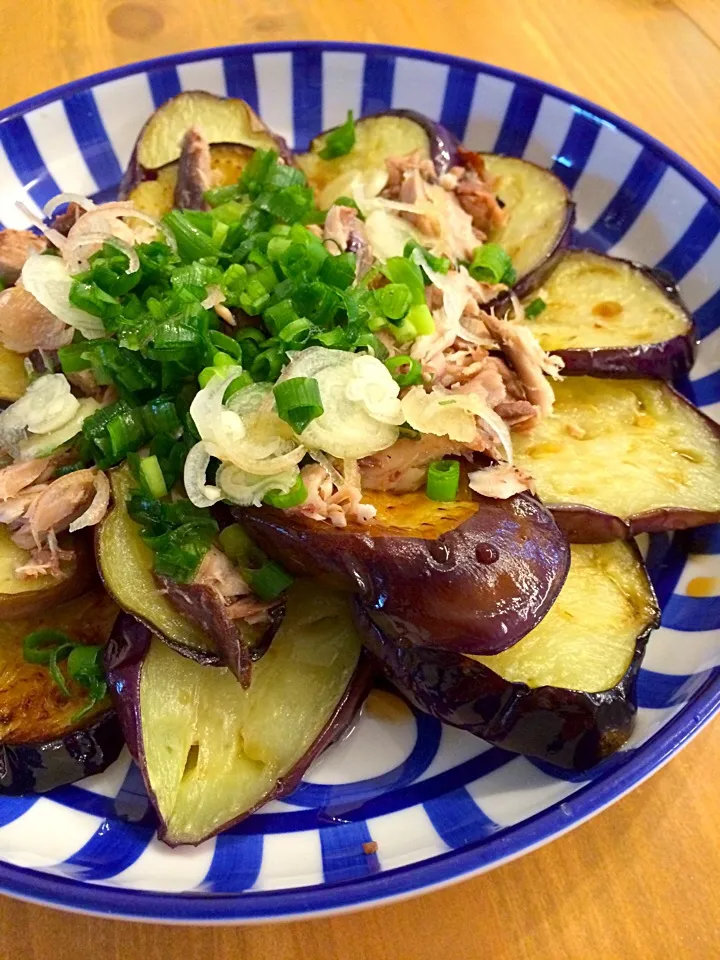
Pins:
x,y
639,881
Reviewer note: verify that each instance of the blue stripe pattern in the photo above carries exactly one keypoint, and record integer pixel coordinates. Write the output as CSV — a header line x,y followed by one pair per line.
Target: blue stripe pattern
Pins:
x,y
164,84
26,161
578,144
240,79
458,100
343,855
458,820
307,95
628,203
235,864
437,770
693,244
519,121
378,81
92,139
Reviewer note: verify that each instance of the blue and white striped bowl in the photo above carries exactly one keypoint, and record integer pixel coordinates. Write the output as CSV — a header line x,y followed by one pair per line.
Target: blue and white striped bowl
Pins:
x,y
440,804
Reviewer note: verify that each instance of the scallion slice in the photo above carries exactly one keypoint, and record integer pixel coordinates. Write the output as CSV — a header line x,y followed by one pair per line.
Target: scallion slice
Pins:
x,y
405,370
151,477
269,581
394,300
298,401
492,264
443,480
293,498
341,140
535,308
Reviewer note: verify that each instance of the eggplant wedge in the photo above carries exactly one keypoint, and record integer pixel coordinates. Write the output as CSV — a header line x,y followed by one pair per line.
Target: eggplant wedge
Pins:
x,y
219,120
41,745
395,133
613,318
210,752
125,564
469,575
539,218
623,457
26,597
565,692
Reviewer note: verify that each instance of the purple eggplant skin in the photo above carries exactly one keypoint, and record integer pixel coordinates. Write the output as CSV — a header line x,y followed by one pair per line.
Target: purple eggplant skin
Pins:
x,y
123,659
443,145
477,588
658,361
38,767
568,728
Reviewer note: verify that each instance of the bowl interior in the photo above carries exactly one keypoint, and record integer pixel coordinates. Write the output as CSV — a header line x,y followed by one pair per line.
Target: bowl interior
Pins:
x,y
438,802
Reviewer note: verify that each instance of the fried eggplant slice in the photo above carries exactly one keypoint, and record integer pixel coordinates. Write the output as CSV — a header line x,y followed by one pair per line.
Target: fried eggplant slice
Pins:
x,y
539,217
622,457
566,692
472,576
28,596
395,133
125,564
41,744
613,318
211,753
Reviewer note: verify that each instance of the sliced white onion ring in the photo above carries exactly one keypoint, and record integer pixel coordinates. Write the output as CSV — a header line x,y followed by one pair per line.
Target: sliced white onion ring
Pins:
x,y
49,281
247,489
60,198
98,506
194,476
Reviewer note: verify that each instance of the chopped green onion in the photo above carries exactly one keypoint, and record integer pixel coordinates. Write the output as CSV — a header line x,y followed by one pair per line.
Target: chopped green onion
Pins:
x,y
85,664
421,319
443,480
293,498
394,300
152,478
279,316
492,264
400,270
57,654
240,548
38,645
339,271
535,308
192,242
239,383
220,195
439,264
296,334
405,370
226,344
267,365
269,581
298,401
340,141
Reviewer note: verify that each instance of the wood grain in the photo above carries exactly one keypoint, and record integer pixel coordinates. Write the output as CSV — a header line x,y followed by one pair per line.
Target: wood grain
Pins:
x,y
640,881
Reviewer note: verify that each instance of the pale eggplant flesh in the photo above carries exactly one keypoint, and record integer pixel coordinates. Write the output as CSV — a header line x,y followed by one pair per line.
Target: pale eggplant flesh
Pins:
x,y
566,692
613,318
210,752
126,563
394,133
539,217
42,743
622,457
